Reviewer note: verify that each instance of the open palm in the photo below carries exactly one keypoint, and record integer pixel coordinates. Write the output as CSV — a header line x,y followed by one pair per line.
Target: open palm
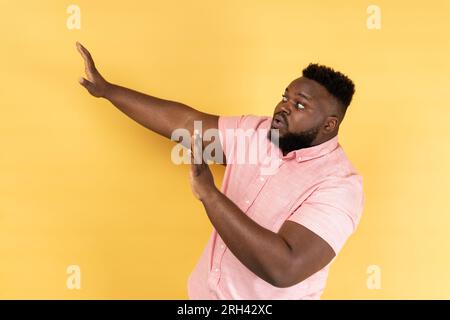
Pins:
x,y
94,82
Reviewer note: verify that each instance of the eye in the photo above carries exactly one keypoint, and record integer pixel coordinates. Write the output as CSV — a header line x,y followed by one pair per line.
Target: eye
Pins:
x,y
284,98
299,105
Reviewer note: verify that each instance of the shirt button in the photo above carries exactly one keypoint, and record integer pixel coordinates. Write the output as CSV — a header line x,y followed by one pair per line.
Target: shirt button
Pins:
x,y
216,270
261,179
222,246
247,201
299,158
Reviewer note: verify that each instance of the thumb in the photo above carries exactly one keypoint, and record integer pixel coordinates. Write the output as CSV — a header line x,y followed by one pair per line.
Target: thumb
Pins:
x,y
86,83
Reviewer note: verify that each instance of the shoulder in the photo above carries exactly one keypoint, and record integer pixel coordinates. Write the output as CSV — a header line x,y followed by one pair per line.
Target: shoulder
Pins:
x,y
244,122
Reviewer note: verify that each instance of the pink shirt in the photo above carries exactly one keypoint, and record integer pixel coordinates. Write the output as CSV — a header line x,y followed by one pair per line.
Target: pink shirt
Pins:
x,y
316,187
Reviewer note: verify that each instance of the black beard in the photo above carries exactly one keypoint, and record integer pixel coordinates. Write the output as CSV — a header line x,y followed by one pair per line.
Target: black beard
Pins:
x,y
290,141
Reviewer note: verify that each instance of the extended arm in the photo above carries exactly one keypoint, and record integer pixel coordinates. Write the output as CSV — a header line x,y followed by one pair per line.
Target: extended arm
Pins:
x,y
159,115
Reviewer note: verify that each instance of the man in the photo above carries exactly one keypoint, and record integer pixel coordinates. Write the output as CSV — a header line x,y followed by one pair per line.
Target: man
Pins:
x,y
275,234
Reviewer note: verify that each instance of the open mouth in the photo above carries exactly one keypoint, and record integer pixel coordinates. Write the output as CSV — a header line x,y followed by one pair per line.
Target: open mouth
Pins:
x,y
278,121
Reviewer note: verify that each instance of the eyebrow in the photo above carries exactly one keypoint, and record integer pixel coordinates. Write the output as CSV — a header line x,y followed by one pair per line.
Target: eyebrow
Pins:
x,y
302,94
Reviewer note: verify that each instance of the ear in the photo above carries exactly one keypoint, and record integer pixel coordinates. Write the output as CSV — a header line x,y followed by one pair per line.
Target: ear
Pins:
x,y
331,124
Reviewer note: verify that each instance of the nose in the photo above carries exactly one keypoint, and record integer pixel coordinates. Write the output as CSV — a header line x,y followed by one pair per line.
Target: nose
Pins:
x,y
286,107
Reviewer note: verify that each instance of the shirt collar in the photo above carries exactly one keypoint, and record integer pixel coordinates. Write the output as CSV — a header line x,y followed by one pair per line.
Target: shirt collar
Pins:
x,y
311,152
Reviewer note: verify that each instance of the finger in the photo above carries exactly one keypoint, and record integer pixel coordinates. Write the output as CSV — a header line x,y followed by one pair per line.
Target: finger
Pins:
x,y
191,153
85,55
192,149
196,157
86,83
82,50
195,169
197,150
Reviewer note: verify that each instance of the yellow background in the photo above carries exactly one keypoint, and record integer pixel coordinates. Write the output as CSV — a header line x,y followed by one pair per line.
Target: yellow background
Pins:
x,y
82,184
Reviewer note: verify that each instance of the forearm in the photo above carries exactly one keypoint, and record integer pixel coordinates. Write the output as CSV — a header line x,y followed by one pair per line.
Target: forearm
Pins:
x,y
159,115
261,250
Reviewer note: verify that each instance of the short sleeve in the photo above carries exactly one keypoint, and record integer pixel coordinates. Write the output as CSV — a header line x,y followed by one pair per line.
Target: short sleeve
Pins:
x,y
228,124
333,210
227,130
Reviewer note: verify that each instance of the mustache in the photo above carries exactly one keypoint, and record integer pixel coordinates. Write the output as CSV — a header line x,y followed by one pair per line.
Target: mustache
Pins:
x,y
283,115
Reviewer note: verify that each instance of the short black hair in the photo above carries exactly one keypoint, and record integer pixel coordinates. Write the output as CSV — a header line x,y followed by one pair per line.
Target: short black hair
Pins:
x,y
338,84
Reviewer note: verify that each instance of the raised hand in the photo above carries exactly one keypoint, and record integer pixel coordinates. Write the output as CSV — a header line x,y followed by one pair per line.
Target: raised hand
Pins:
x,y
95,83
200,176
